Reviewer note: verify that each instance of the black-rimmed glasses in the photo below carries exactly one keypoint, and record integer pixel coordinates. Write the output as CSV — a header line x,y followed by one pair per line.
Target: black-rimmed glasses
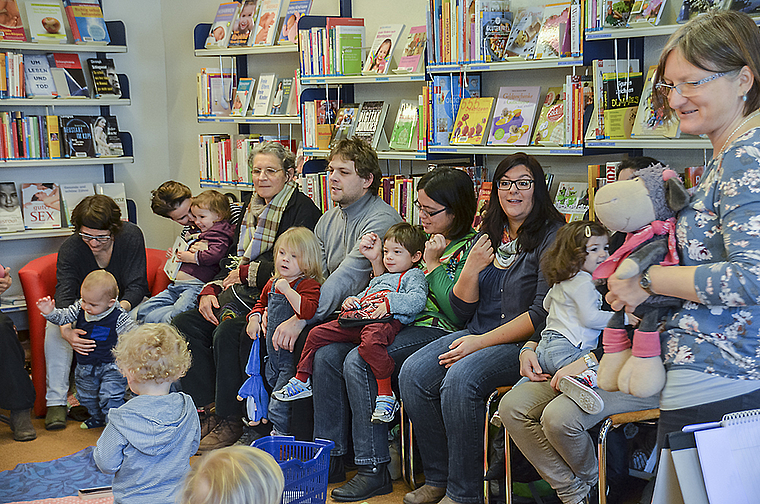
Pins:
x,y
424,211
521,184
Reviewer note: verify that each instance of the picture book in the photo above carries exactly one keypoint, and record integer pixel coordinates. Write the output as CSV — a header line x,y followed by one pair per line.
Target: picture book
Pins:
x,y
11,219
380,55
77,137
41,205
71,195
105,136
39,80
514,115
243,95
553,39
370,122
617,12
405,127
344,122
220,31
172,266
296,9
117,193
646,12
86,22
281,96
262,103
524,34
103,76
265,27
413,51
45,18
550,127
572,200
693,8
650,121
349,41
11,26
71,67
495,27
447,94
471,124
242,26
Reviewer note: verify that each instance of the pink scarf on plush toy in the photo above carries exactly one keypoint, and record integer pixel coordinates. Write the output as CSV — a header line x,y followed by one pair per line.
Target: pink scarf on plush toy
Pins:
x,y
634,240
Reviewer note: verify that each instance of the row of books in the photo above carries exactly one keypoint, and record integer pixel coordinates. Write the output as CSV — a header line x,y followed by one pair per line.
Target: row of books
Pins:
x,y
48,205
46,23
224,160
268,95
256,22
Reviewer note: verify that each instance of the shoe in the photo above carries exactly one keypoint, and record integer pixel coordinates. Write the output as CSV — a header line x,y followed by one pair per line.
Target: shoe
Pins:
x,y
250,434
426,494
55,419
208,422
592,497
385,409
580,388
226,432
294,389
447,500
21,425
79,413
337,470
368,482
93,423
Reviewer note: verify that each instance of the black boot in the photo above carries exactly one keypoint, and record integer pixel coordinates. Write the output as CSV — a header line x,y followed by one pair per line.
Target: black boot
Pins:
x,y
368,482
337,471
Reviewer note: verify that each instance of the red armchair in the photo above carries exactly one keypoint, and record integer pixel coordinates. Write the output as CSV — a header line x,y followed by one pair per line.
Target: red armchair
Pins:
x,y
38,280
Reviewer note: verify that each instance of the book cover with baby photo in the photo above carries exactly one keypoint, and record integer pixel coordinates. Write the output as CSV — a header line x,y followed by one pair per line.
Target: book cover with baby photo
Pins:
x,y
296,10
242,26
220,31
10,208
265,30
11,27
379,58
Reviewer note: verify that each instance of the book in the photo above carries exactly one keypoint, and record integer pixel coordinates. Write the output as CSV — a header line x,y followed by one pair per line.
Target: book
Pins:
x,y
404,132
243,94
105,136
11,26
646,12
524,34
693,8
380,55
45,19
71,195
103,76
572,200
692,176
349,40
550,127
553,39
86,22
471,124
71,67
750,7
265,27
514,115
414,49
282,96
622,93
370,121
242,26
616,12
495,26
53,136
77,139
262,103
220,91
116,191
344,122
447,94
219,34
651,122
481,206
41,205
296,9
599,68
37,76
172,265
11,219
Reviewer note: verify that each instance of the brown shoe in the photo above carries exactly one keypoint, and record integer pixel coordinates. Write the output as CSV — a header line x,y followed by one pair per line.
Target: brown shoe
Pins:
x,y
426,494
208,422
21,425
226,432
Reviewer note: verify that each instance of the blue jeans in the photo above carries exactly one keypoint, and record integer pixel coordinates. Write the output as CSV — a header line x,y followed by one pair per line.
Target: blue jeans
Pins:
x,y
177,298
100,387
555,351
447,409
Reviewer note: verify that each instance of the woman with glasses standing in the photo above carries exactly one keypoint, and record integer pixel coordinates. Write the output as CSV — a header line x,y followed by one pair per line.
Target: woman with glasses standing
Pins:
x,y
500,294
101,240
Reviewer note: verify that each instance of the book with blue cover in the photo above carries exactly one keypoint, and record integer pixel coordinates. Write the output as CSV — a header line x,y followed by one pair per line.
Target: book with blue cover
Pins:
x,y
86,22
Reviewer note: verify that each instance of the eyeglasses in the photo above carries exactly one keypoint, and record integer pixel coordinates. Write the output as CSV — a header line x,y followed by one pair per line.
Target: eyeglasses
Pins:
x,y
687,89
100,239
269,172
426,212
521,185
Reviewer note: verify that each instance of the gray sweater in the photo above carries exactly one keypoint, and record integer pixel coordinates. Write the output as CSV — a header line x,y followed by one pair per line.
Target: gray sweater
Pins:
x,y
408,292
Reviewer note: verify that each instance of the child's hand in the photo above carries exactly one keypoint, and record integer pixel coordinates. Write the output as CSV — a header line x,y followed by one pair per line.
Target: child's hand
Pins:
x,y
380,311
351,303
46,305
253,328
282,285
371,247
186,256
169,253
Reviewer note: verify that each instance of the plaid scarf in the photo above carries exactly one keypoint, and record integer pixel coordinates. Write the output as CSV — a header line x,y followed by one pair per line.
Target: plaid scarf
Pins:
x,y
261,221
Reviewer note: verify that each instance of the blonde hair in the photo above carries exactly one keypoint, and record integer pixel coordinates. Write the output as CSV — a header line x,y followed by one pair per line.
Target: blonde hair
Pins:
x,y
304,243
153,352
214,201
233,475
102,281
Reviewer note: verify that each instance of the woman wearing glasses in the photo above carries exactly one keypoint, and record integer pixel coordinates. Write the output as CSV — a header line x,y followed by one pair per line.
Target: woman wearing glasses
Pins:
x,y
500,294
709,77
101,240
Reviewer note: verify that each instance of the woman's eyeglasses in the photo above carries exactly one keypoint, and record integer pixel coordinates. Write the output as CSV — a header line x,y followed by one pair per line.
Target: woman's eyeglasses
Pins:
x,y
687,89
521,185
100,238
424,211
269,172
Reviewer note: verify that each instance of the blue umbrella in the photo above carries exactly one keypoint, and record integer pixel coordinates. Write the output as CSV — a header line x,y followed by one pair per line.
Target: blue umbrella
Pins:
x,y
253,391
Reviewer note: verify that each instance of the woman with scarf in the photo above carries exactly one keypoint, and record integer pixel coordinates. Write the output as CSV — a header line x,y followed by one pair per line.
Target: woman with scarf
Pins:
x,y
216,330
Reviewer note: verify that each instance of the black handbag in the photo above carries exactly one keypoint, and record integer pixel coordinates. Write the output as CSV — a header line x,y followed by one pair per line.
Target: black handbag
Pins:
x,y
361,316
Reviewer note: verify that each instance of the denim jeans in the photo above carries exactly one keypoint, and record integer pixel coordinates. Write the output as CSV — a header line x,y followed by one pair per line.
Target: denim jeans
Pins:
x,y
447,408
280,364
58,358
178,297
551,431
100,387
555,351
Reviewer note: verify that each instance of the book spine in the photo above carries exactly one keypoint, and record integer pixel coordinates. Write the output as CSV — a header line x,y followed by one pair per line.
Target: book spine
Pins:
x,y
77,37
3,77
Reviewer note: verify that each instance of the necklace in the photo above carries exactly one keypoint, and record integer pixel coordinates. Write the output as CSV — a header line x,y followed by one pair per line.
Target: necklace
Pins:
x,y
745,121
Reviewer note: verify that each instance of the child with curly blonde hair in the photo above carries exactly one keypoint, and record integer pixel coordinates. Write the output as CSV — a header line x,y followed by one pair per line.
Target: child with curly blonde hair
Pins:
x,y
148,441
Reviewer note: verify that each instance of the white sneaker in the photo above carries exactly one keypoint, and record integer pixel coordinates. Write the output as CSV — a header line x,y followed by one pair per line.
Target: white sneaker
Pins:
x,y
385,409
580,388
294,389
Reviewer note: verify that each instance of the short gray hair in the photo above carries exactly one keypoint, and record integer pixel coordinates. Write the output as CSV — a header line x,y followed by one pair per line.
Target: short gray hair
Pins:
x,y
286,157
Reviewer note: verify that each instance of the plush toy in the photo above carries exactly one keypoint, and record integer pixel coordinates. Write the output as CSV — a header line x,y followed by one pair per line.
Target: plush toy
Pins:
x,y
252,391
645,207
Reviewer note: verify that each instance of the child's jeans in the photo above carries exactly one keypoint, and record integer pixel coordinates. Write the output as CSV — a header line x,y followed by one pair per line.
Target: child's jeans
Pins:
x,y
555,351
100,387
179,297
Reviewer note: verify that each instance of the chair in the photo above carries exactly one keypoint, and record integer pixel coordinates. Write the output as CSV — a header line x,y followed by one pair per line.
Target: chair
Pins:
x,y
38,279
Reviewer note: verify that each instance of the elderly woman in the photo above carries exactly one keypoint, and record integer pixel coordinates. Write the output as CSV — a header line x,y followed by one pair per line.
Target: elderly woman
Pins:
x,y
709,77
500,292
216,330
101,240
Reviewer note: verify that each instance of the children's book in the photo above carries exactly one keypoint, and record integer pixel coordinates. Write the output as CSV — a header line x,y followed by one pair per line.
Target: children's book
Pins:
x,y
11,26
349,40
39,80
296,10
243,95
550,128
495,27
45,18
262,103
414,49
524,34
11,219
617,12
117,193
282,96
514,115
651,122
554,38
105,136
471,124
572,200
86,22
77,137
41,205
344,122
71,195
242,26
221,29
265,28
172,266
447,94
693,8
646,12
370,122
380,55
71,69
103,76
405,128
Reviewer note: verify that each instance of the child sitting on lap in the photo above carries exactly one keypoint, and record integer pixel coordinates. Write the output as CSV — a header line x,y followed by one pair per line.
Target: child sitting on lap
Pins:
x,y
97,315
400,292
148,441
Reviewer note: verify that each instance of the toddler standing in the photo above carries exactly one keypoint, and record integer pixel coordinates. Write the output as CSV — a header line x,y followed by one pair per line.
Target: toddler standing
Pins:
x,y
100,385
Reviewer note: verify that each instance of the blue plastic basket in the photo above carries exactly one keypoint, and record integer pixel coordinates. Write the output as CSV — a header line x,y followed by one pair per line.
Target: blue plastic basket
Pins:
x,y
304,464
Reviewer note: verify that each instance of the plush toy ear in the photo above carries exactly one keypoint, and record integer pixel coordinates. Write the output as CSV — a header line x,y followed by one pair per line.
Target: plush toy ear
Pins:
x,y
676,195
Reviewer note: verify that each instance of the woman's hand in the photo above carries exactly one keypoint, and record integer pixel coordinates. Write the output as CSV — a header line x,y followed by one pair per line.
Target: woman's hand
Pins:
x,y
286,334
82,346
459,348
434,248
530,368
232,278
206,307
625,293
371,247
480,256
5,280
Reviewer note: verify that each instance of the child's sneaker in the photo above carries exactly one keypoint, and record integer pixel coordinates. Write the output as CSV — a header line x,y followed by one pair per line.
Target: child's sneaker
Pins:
x,y
580,388
385,409
294,389
93,423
